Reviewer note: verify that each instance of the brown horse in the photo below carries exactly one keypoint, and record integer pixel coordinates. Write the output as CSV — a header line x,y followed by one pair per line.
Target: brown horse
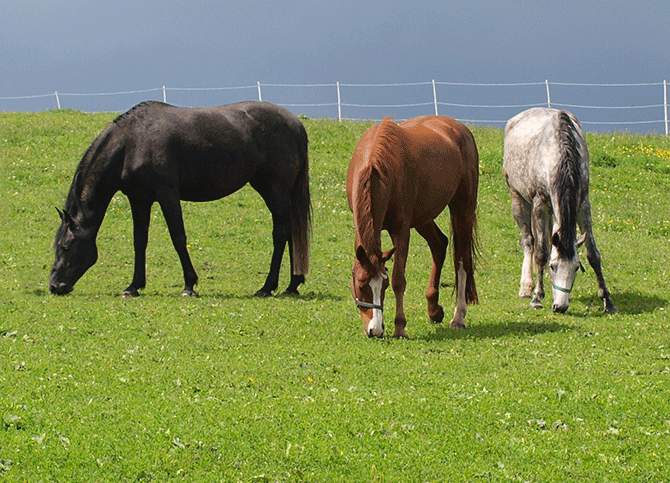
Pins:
x,y
402,177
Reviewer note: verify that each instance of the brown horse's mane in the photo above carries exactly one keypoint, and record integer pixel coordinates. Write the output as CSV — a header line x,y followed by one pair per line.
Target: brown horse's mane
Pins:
x,y
384,146
376,170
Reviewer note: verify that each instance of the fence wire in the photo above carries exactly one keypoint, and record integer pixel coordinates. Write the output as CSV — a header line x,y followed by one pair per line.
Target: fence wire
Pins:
x,y
402,100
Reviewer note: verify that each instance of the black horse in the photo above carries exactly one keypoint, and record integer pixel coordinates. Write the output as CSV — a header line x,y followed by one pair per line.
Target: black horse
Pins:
x,y
161,153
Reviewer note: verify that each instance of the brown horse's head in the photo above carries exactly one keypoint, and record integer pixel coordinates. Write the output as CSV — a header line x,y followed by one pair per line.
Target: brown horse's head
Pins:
x,y
369,282
76,252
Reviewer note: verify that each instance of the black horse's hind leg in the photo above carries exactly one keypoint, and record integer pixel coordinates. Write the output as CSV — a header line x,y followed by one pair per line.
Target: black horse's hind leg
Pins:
x,y
141,211
296,280
173,216
281,234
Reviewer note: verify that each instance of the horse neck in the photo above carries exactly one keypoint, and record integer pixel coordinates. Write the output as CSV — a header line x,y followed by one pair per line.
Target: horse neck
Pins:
x,y
94,185
370,209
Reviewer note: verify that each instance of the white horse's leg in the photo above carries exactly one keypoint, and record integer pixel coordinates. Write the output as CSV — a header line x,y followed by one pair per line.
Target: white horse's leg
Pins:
x,y
521,212
593,255
540,223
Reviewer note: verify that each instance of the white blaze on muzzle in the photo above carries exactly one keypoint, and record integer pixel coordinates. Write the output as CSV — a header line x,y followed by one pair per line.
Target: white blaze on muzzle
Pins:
x,y
376,325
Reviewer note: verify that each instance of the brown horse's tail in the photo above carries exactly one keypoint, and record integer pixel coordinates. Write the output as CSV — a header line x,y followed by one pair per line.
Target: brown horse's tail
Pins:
x,y
465,246
301,212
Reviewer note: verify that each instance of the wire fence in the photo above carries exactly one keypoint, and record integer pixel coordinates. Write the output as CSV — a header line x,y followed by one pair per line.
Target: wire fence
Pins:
x,y
639,107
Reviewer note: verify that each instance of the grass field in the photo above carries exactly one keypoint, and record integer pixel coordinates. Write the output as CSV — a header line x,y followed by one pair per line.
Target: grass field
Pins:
x,y
227,387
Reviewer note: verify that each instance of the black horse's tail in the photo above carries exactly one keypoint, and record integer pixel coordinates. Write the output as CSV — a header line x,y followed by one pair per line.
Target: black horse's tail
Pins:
x,y
301,211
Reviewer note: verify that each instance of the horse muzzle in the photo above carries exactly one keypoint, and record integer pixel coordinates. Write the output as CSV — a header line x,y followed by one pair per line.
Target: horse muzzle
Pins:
x,y
60,288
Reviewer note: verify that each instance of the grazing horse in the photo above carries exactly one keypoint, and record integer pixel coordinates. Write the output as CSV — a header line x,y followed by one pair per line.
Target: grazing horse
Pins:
x,y
402,177
161,153
546,166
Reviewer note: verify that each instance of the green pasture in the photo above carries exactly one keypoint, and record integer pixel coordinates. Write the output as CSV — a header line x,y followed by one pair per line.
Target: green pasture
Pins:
x,y
227,387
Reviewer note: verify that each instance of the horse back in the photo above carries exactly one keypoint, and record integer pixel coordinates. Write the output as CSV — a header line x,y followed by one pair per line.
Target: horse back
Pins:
x,y
444,155
531,152
208,153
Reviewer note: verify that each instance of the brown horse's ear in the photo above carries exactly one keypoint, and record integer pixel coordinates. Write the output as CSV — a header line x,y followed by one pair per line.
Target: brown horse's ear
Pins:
x,y
361,255
386,256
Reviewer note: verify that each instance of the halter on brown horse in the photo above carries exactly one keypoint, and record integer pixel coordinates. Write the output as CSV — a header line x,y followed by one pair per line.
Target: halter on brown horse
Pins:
x,y
402,177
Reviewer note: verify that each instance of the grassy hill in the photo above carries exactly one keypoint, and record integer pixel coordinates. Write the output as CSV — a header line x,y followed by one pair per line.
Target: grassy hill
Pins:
x,y
227,387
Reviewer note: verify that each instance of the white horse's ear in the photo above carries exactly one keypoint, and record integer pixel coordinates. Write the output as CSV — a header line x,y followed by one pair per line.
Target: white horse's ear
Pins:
x,y
582,239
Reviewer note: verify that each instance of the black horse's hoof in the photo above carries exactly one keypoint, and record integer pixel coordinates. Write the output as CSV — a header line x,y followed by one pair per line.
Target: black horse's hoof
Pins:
x,y
130,293
291,292
189,293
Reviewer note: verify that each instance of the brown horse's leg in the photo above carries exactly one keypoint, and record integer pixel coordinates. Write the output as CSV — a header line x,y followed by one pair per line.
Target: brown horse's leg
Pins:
x,y
141,211
463,222
461,309
437,242
398,280
175,221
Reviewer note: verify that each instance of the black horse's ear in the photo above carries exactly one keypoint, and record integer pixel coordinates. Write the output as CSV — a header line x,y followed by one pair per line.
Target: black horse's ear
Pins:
x,y
65,217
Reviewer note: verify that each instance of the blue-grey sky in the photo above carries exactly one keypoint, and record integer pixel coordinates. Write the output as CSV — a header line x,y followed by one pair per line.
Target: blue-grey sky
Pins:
x,y
74,46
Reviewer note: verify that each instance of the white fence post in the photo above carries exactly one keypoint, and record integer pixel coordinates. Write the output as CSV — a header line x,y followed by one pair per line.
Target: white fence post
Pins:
x,y
57,100
339,104
546,81
665,105
164,95
435,97
260,98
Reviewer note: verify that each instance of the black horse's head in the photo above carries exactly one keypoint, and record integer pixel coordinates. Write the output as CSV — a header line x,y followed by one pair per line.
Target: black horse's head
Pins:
x,y
76,252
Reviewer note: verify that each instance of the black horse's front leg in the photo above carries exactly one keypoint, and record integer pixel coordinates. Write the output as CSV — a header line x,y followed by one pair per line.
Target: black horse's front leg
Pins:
x,y
175,222
141,211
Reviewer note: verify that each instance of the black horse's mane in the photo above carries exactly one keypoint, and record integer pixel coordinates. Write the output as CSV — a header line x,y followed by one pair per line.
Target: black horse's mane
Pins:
x,y
87,166
135,109
568,184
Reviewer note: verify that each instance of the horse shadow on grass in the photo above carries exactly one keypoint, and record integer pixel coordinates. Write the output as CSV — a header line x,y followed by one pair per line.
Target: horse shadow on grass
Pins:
x,y
303,296
629,302
496,330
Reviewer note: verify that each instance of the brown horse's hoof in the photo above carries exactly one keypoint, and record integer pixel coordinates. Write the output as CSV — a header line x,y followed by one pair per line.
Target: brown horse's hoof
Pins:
x,y
437,318
400,334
